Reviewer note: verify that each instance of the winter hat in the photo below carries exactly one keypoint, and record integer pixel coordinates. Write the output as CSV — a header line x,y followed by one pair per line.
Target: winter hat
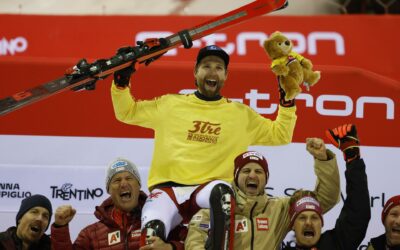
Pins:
x,y
305,203
392,202
36,200
213,50
249,156
120,165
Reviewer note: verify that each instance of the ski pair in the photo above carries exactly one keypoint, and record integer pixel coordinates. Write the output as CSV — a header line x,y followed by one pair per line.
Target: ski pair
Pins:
x,y
84,74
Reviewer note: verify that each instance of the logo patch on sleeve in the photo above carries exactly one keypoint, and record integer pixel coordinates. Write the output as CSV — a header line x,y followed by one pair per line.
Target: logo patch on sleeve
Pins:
x,y
114,238
136,234
262,224
241,226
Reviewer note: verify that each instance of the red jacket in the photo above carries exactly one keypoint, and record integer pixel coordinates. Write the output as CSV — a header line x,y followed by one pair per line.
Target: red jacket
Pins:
x,y
104,234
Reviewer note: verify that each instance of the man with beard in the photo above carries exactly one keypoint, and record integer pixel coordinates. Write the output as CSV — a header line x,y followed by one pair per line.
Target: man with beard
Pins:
x,y
32,219
197,136
261,222
390,240
305,213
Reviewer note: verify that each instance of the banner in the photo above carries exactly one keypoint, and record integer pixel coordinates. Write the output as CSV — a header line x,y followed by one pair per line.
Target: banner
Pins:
x,y
362,41
72,170
343,95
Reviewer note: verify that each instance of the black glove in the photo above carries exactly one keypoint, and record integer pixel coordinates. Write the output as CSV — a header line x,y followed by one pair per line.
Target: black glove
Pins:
x,y
282,101
122,77
345,138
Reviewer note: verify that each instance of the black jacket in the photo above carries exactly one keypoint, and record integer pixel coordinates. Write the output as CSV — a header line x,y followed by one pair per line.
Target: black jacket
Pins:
x,y
379,243
352,224
10,241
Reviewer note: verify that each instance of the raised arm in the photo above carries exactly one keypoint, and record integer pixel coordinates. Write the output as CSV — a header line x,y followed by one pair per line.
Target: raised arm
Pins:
x,y
352,224
60,237
327,187
126,108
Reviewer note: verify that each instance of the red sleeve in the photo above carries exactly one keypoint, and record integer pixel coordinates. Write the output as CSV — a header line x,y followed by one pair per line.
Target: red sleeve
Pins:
x,y
60,239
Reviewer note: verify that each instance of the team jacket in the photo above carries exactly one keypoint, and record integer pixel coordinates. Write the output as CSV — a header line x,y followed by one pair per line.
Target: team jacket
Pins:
x,y
379,243
104,234
10,241
262,222
352,224
196,141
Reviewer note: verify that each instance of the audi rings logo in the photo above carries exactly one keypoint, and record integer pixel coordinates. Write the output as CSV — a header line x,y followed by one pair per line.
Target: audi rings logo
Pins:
x,y
67,192
12,46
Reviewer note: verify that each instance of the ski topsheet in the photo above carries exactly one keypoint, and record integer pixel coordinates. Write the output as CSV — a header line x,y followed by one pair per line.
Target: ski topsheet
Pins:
x,y
84,74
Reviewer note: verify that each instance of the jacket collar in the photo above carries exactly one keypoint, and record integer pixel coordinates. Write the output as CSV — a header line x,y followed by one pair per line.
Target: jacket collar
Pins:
x,y
205,98
245,205
379,243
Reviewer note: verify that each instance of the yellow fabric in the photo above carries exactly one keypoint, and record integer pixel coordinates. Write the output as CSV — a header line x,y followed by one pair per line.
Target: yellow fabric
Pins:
x,y
285,59
275,210
196,141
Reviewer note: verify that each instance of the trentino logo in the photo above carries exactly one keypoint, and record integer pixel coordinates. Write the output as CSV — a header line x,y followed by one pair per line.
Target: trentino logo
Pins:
x,y
66,192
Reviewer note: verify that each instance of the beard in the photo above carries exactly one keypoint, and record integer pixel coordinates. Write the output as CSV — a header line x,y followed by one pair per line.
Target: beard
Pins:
x,y
209,90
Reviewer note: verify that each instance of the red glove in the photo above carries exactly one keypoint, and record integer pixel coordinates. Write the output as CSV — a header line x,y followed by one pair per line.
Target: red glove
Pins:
x,y
345,138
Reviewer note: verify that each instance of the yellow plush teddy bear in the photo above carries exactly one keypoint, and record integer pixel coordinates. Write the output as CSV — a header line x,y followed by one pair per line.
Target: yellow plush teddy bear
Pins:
x,y
291,68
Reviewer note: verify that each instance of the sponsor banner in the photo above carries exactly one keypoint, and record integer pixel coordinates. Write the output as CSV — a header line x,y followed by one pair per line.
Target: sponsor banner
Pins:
x,y
343,95
79,186
338,40
41,163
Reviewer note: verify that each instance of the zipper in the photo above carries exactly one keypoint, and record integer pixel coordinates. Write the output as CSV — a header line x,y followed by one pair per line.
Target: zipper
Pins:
x,y
252,226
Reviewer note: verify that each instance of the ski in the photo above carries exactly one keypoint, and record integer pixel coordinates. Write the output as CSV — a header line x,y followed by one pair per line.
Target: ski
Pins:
x,y
84,75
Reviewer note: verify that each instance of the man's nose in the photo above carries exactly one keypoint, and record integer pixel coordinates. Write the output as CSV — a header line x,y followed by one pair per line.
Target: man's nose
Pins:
x,y
124,182
41,217
308,221
252,174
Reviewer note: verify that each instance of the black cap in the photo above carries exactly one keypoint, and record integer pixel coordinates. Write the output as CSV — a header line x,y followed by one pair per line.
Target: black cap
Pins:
x,y
213,50
36,200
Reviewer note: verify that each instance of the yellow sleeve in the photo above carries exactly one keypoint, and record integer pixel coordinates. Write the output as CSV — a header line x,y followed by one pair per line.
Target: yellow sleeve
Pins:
x,y
328,182
198,230
130,111
264,131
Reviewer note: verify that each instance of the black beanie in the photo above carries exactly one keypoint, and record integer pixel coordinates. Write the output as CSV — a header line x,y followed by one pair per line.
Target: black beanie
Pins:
x,y
36,200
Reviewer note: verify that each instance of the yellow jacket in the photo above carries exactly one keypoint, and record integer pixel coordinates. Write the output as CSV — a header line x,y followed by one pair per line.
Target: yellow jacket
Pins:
x,y
196,141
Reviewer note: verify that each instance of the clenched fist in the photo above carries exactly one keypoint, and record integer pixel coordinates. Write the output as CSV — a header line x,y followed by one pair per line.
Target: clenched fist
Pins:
x,y
316,147
64,214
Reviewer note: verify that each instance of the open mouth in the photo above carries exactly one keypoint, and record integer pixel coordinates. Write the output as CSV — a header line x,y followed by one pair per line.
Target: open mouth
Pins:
x,y
252,185
36,229
396,230
309,233
125,196
211,82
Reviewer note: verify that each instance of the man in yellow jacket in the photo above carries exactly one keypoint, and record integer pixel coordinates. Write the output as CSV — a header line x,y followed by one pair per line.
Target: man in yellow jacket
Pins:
x,y
197,136
262,222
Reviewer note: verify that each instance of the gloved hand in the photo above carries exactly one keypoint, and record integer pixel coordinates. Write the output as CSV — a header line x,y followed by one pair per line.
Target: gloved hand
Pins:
x,y
282,101
122,77
345,138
